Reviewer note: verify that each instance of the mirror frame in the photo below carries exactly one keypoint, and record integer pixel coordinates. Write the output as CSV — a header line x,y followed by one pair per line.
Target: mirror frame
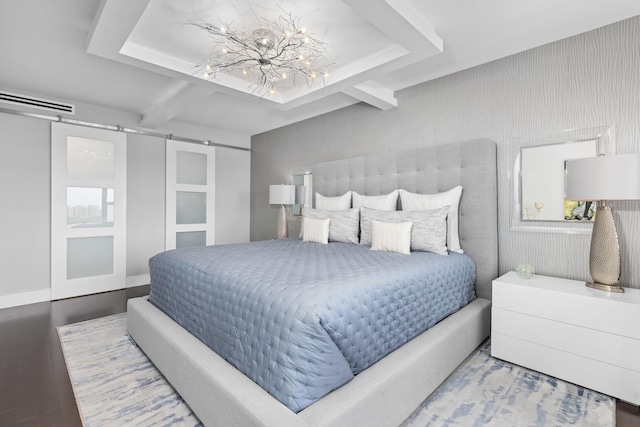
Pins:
x,y
307,184
605,137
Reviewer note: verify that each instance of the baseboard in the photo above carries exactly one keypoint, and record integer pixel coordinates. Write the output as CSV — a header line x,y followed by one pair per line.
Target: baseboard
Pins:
x,y
139,280
42,295
24,298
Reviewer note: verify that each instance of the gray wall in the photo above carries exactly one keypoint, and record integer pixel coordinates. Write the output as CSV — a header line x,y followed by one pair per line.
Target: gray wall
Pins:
x,y
25,169
233,169
25,191
586,81
145,201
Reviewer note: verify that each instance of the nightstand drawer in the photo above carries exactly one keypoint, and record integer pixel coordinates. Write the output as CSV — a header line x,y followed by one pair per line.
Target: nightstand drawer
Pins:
x,y
593,374
592,344
570,302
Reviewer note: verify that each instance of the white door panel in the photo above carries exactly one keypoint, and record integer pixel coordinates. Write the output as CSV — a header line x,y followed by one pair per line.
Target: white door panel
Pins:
x,y
190,198
88,210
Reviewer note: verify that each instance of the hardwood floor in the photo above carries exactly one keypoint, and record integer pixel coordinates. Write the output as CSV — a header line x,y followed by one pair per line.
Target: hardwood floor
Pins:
x,y
627,415
34,383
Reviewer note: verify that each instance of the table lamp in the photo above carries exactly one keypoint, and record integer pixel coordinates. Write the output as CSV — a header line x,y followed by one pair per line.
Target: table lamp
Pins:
x,y
602,178
282,195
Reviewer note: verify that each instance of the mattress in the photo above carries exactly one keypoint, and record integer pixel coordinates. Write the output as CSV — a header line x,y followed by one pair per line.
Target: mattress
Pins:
x,y
300,319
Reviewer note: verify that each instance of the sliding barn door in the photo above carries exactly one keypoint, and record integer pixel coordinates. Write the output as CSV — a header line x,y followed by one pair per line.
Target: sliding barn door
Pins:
x,y
88,210
190,199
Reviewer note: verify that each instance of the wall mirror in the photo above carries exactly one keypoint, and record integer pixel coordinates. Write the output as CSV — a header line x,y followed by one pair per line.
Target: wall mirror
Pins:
x,y
303,183
537,180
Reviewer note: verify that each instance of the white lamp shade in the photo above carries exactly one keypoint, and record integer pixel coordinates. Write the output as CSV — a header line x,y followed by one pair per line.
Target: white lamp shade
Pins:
x,y
604,178
282,194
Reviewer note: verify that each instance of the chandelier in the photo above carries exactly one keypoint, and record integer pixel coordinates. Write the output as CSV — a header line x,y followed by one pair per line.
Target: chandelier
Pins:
x,y
279,54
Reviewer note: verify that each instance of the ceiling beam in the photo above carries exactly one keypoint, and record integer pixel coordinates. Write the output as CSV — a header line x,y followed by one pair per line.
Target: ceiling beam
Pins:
x,y
112,25
401,22
183,97
373,94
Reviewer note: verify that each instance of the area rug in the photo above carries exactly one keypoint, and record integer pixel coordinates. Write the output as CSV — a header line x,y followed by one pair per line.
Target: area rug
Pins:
x,y
116,385
114,382
485,391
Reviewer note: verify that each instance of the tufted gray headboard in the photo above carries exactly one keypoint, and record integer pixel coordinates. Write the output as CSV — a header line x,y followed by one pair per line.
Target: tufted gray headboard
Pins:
x,y
471,164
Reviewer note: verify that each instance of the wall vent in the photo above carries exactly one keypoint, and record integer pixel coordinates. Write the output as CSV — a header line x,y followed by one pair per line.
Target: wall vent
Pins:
x,y
39,103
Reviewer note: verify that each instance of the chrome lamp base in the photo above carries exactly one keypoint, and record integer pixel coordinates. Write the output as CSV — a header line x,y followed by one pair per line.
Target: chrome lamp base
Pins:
x,y
606,288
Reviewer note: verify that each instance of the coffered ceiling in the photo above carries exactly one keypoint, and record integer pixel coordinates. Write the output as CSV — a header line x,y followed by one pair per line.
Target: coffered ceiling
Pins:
x,y
139,56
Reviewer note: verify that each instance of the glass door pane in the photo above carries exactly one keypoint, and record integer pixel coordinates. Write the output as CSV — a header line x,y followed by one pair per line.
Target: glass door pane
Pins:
x,y
89,207
187,239
90,159
89,256
191,207
191,168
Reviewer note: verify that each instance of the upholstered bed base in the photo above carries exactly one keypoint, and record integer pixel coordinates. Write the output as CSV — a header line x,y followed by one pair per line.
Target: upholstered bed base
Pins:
x,y
386,393
383,395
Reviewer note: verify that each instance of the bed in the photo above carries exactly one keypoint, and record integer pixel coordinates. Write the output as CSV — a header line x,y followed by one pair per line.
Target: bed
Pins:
x,y
387,391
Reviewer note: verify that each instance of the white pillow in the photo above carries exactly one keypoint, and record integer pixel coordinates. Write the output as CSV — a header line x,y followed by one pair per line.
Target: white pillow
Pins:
x,y
316,230
337,203
391,236
386,202
421,202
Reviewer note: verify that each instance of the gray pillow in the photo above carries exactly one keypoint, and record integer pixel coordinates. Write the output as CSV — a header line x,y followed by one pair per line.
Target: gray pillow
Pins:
x,y
429,231
344,225
419,202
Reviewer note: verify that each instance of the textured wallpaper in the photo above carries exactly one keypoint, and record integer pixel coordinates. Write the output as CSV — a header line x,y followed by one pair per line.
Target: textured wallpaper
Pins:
x,y
586,81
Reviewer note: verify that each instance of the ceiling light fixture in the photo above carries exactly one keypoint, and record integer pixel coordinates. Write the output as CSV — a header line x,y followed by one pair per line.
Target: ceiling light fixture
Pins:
x,y
279,55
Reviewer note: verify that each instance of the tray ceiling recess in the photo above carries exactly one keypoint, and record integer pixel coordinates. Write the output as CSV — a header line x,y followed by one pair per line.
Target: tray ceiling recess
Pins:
x,y
375,48
362,39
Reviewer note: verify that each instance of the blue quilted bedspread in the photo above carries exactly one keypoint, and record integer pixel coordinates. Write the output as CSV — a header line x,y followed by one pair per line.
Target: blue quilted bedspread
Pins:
x,y
301,319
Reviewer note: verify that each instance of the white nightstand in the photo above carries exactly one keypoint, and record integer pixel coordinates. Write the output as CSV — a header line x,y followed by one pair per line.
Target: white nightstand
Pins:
x,y
566,330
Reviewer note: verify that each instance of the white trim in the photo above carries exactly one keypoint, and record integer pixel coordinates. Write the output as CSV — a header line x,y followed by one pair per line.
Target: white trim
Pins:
x,y
24,298
43,295
139,280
